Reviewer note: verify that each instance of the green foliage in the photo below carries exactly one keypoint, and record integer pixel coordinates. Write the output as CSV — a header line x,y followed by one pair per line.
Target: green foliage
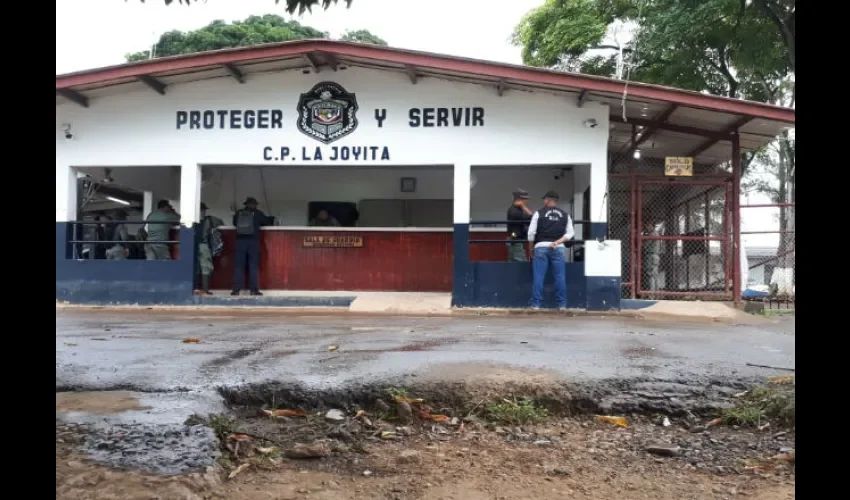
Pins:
x,y
362,36
763,404
223,425
520,412
301,6
724,47
252,31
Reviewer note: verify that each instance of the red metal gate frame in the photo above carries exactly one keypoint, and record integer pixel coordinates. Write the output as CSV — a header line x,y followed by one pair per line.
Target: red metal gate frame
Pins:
x,y
637,237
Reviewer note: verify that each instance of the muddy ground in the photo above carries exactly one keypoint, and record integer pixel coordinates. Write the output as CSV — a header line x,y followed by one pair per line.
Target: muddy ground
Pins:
x,y
479,443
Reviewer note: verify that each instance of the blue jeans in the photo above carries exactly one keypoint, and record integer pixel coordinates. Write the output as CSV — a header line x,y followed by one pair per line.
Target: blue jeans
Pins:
x,y
543,258
247,254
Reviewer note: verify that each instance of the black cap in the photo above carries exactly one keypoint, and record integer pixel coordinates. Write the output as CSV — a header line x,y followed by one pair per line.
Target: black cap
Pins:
x,y
520,194
162,204
551,195
251,200
203,206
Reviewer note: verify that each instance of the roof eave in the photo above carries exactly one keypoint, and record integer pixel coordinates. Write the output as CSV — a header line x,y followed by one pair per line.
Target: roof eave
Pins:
x,y
432,61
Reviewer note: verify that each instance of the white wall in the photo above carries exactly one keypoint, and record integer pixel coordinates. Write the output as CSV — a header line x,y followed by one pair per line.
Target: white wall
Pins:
x,y
285,192
520,128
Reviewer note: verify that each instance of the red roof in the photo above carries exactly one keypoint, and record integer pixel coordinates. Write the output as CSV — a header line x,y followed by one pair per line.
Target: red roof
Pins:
x,y
681,111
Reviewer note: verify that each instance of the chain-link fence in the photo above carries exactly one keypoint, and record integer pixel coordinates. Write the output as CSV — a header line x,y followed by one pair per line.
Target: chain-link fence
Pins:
x,y
676,231
769,245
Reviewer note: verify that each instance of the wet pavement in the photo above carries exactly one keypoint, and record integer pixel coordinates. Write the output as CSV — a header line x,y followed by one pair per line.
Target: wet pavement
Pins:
x,y
677,366
144,351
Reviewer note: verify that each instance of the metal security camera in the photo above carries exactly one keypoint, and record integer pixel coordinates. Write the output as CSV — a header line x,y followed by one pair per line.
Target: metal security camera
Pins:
x,y
66,127
591,123
69,135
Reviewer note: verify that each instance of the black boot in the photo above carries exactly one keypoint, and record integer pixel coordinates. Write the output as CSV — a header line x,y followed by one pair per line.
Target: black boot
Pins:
x,y
205,284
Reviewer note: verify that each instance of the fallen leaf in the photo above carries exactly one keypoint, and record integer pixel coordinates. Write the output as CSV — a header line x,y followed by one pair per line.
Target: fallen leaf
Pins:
x,y
239,437
284,413
266,451
360,413
715,422
402,399
440,418
191,340
388,435
782,380
511,403
70,344
235,472
763,427
332,348
618,421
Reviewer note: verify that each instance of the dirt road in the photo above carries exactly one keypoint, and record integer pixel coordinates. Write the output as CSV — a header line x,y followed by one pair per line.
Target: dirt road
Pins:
x,y
575,367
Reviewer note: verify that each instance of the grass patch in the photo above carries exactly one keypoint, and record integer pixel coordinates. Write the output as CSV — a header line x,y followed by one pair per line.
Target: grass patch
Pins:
x,y
397,392
515,412
760,405
223,425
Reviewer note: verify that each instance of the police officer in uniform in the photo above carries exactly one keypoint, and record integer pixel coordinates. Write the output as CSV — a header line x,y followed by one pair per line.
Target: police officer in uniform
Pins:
x,y
518,216
248,222
204,240
549,228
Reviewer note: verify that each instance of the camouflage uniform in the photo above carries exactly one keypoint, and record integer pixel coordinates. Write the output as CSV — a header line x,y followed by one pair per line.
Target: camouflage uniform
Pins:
x,y
205,256
159,228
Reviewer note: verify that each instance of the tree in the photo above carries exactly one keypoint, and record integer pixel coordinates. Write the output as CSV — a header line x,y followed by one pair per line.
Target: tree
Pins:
x,y
252,31
301,6
362,36
725,47
733,48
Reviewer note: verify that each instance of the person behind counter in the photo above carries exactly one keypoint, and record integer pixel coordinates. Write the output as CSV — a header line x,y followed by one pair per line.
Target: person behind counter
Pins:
x,y
248,222
159,224
519,216
324,219
119,251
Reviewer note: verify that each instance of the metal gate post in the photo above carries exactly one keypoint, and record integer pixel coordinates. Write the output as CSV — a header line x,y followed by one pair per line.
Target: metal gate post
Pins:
x,y
736,217
633,234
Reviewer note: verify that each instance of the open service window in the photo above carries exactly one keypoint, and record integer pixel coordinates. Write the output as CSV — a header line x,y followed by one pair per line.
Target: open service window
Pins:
x,y
332,214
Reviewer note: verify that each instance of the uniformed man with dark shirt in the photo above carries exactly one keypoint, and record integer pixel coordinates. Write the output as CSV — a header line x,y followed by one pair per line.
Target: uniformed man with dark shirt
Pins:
x,y
549,229
519,216
248,222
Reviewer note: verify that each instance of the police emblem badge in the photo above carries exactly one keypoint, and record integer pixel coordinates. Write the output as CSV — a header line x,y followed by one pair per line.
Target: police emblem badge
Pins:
x,y
327,112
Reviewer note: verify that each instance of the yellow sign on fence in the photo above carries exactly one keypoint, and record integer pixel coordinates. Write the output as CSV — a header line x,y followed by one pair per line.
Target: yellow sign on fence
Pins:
x,y
679,166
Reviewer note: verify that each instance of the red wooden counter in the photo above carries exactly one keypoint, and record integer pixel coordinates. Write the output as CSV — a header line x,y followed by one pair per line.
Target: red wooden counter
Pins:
x,y
390,259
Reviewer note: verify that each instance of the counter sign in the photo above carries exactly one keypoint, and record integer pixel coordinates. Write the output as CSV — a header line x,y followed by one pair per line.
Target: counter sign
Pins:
x,y
327,112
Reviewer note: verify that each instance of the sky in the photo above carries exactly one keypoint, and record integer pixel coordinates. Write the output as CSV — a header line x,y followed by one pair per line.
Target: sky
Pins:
x,y
95,33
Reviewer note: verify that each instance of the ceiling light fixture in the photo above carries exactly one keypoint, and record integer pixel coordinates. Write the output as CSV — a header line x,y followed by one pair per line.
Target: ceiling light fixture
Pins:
x,y
118,200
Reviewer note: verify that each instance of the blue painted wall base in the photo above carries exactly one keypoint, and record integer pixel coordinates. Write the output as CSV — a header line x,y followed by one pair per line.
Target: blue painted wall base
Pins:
x,y
603,293
508,284
113,282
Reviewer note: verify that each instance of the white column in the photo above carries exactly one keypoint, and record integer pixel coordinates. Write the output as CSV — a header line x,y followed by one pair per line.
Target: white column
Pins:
x,y
578,207
147,203
461,193
66,193
190,193
598,188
